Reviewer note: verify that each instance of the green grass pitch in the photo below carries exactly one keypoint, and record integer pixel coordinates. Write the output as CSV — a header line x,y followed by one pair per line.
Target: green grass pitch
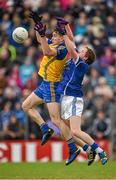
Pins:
x,y
57,171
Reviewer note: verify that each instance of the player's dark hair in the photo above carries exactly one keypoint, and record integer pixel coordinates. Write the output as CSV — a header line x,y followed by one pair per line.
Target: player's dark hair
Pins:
x,y
90,56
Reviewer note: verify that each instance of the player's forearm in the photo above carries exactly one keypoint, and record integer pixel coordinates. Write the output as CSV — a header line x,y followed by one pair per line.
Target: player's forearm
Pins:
x,y
47,51
44,44
70,46
69,32
38,37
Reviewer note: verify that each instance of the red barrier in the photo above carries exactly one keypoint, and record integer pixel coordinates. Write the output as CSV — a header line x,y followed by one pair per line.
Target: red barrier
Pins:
x,y
32,151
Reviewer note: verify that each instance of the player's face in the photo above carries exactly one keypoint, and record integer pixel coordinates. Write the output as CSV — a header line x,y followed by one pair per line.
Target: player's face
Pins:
x,y
56,38
82,53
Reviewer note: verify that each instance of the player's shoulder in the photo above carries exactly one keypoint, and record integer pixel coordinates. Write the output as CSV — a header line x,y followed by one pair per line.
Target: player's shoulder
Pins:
x,y
61,51
69,62
81,64
61,46
49,41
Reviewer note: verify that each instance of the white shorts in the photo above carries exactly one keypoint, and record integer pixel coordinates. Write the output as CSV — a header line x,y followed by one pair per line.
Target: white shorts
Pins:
x,y
71,106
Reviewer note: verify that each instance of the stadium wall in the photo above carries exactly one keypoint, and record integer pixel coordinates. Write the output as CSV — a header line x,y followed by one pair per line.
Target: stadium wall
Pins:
x,y
32,151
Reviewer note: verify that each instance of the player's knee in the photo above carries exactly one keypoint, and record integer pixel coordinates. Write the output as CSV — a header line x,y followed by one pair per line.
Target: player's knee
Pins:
x,y
25,107
56,121
75,132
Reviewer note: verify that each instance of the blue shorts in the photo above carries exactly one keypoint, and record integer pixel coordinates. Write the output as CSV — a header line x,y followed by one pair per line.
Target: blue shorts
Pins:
x,y
48,91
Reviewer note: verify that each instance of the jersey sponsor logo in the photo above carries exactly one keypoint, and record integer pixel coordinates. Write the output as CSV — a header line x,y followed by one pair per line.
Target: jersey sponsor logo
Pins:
x,y
61,47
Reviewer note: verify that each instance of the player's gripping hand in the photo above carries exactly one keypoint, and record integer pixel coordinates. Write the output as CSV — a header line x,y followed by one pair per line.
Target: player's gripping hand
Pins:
x,y
36,18
61,29
40,28
61,21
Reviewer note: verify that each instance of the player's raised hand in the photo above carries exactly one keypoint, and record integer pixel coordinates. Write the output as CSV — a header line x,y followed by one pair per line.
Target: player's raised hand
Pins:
x,y
40,28
62,21
36,18
61,29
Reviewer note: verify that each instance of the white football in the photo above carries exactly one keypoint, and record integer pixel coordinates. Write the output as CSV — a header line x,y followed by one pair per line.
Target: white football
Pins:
x,y
20,34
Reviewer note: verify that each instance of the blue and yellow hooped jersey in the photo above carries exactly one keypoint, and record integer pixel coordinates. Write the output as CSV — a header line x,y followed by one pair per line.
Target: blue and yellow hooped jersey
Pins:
x,y
51,68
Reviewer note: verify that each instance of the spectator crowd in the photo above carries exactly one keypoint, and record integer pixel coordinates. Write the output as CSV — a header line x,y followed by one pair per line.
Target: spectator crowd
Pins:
x,y
93,23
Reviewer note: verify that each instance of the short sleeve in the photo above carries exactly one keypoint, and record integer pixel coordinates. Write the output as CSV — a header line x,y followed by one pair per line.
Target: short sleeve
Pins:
x,y
49,41
61,52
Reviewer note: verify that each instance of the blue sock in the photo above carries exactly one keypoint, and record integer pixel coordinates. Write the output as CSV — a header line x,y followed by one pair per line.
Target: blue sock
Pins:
x,y
94,146
85,147
72,147
44,128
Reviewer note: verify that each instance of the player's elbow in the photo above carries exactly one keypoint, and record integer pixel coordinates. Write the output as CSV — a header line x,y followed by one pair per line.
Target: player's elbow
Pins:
x,y
72,38
48,53
25,107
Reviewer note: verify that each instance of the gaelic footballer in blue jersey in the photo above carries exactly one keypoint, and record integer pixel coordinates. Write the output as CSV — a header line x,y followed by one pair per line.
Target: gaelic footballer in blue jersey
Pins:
x,y
72,95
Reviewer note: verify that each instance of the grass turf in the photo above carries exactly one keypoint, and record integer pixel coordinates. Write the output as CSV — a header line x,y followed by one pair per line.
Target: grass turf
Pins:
x,y
57,171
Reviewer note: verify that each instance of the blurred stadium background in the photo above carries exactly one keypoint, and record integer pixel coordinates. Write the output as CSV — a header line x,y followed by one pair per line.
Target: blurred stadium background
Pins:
x,y
93,23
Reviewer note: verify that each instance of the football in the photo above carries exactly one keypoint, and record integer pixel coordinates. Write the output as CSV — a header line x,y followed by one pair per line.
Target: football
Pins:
x,y
20,34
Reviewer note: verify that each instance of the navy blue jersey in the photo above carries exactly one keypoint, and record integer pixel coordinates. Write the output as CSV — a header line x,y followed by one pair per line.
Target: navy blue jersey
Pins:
x,y
73,75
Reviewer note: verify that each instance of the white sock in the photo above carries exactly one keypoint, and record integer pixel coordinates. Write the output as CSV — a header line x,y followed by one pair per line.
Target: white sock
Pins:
x,y
88,150
98,150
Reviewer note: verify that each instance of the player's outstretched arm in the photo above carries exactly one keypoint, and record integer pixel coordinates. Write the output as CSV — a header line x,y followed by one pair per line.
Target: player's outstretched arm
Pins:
x,y
62,22
69,32
36,19
70,46
38,37
40,34
47,51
